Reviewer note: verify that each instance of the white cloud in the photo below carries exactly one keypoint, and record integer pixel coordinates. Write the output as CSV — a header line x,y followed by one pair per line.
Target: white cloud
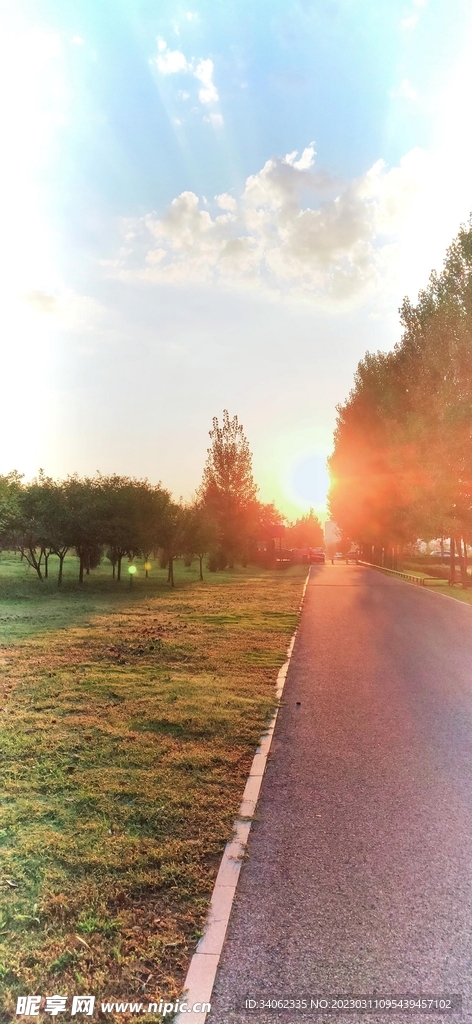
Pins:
x,y
78,41
41,301
215,119
172,62
334,248
204,73
191,16
226,202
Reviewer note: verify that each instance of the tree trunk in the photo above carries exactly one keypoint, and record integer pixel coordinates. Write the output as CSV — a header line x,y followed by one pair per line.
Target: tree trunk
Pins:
x,y
200,559
46,560
113,564
118,571
462,566
81,569
34,562
452,569
171,570
61,564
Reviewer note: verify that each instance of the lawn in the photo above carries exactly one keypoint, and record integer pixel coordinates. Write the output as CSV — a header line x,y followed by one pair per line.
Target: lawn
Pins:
x,y
455,591
129,721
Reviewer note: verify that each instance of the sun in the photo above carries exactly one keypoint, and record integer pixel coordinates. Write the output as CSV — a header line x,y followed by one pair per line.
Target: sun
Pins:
x,y
294,474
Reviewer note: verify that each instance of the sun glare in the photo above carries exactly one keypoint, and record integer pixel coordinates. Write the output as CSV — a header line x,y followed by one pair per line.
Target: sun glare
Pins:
x,y
294,474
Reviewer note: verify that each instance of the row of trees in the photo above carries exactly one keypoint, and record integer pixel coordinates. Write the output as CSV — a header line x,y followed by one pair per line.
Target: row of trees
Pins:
x,y
402,461
119,516
89,516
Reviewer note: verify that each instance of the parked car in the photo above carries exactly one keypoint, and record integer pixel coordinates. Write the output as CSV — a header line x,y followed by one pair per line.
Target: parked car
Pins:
x,y
317,555
352,556
338,556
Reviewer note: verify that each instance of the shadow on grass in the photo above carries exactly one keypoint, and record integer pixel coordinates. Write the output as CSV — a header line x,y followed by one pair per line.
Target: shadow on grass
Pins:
x,y
30,607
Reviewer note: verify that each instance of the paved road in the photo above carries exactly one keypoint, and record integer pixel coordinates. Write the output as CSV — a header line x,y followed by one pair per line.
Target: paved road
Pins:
x,y
359,876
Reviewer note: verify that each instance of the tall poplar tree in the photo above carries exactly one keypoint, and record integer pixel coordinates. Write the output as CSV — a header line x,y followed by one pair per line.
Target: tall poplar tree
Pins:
x,y
228,490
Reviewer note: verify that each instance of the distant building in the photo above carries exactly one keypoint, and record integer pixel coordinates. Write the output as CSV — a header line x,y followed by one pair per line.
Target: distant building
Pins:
x,y
271,538
332,533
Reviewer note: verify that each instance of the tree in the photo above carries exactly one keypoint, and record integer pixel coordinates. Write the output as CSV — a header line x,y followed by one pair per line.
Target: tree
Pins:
x,y
118,517
267,525
402,461
32,522
306,532
85,518
228,490
56,523
198,532
171,536
152,505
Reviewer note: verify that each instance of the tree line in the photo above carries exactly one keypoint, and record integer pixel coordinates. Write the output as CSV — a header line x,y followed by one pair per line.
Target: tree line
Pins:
x,y
401,468
118,516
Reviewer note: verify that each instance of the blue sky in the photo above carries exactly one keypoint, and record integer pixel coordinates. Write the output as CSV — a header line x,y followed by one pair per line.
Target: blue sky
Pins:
x,y
217,205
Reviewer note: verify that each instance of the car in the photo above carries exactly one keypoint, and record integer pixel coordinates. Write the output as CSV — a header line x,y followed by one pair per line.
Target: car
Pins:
x,y
338,556
352,556
317,555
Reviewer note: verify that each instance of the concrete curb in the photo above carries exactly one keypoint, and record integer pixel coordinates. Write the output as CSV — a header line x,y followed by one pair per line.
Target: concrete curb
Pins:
x,y
198,985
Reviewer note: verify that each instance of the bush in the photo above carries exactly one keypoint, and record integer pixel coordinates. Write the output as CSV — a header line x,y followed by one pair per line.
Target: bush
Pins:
x,y
217,559
212,563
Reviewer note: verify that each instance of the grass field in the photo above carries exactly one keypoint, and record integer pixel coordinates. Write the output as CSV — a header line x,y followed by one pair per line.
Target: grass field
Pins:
x,y
129,721
456,591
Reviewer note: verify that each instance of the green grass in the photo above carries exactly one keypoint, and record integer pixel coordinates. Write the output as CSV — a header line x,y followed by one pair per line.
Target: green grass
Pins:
x,y
129,720
455,592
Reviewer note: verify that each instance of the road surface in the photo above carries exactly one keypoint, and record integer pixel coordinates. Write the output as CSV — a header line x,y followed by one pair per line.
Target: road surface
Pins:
x,y
359,874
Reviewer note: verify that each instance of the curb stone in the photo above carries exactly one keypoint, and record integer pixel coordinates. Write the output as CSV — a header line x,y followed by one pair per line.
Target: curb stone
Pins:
x,y
198,985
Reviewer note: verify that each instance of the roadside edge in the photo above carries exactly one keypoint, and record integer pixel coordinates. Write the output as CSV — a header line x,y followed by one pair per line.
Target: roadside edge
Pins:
x,y
200,979
424,590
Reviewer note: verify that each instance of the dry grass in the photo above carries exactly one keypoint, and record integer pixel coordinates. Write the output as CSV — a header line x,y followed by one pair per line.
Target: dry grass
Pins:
x,y
129,722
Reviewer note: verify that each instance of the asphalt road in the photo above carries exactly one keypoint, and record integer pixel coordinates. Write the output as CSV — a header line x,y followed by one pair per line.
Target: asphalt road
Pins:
x,y
359,874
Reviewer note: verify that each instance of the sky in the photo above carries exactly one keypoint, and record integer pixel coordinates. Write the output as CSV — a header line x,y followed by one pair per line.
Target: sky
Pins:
x,y
215,206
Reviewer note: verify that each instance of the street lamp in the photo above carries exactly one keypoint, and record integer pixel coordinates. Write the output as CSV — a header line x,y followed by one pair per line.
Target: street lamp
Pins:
x,y
147,566
131,570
